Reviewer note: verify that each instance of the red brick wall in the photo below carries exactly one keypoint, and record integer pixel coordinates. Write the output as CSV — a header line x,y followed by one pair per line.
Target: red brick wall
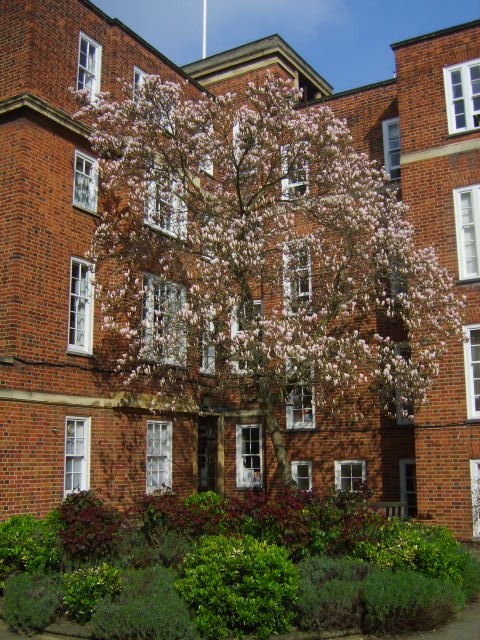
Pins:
x,y
41,231
32,450
444,450
443,473
364,110
43,38
421,93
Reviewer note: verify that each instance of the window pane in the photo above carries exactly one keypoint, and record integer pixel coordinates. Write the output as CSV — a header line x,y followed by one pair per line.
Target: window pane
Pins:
x,y
303,484
456,77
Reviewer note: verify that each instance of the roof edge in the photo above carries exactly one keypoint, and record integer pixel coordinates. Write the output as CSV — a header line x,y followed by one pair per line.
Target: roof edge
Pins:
x,y
435,34
118,23
234,56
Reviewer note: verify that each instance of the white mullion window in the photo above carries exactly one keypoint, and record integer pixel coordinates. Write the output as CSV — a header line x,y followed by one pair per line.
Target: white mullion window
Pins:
x,y
77,454
80,327
165,210
300,407
89,66
159,455
297,280
249,456
391,147
138,79
467,222
302,474
207,351
472,370
207,164
85,183
350,475
462,90
295,181
165,335
240,323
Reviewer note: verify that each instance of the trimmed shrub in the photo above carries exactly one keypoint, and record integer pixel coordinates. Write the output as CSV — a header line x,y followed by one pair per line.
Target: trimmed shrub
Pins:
x,y
408,601
302,521
31,602
320,569
471,577
84,588
27,544
238,586
329,593
284,520
430,550
88,527
134,551
199,514
334,605
147,607
340,519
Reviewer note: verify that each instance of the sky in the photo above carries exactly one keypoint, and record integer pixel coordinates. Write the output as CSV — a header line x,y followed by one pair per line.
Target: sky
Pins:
x,y
345,41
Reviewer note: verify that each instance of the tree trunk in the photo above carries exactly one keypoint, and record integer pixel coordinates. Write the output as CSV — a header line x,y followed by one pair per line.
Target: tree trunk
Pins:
x,y
268,407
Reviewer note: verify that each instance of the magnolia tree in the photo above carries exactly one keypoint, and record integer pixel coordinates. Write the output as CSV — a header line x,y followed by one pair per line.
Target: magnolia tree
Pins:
x,y
247,231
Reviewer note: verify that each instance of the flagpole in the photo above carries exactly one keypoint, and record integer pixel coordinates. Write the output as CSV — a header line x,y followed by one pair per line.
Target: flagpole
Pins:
x,y
204,29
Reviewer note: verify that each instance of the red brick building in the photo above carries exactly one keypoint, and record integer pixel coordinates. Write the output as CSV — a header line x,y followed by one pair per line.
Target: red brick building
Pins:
x,y
66,421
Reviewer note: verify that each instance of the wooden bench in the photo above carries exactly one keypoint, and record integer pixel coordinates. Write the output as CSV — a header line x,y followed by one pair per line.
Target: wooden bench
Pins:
x,y
391,509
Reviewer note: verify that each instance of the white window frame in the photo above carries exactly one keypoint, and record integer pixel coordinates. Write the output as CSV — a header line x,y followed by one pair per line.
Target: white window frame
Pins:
x,y
85,181
404,491
402,349
465,93
162,299
88,76
472,411
467,225
339,475
235,327
77,450
207,351
391,148
81,299
236,141
158,455
293,186
475,488
247,476
169,216
294,278
295,465
307,410
207,164
138,79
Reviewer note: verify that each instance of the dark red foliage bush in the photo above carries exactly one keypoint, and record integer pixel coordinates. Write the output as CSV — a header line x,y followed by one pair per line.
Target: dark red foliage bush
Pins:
x,y
88,527
162,512
304,522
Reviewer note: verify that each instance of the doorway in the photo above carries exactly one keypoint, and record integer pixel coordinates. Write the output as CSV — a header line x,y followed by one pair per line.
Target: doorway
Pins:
x,y
408,487
207,453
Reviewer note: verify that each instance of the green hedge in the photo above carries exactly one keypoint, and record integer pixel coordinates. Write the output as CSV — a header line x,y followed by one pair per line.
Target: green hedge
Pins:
x,y
31,601
431,550
408,601
329,593
147,607
84,588
28,545
238,586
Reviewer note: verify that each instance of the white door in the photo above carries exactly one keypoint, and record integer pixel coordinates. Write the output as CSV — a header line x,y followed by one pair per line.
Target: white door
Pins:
x,y
475,478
